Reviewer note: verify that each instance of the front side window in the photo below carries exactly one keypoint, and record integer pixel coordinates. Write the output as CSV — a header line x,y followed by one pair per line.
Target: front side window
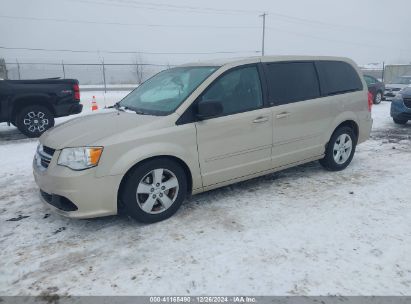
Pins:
x,y
292,81
238,91
163,93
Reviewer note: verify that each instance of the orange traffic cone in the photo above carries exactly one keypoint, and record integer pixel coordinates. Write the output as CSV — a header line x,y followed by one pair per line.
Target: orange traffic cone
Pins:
x,y
94,105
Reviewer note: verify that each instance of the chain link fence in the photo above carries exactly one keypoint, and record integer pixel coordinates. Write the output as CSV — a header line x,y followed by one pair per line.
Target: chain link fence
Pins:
x,y
104,74
109,74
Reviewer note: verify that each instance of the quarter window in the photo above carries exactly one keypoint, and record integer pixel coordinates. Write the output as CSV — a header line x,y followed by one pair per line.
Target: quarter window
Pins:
x,y
338,77
292,81
370,80
238,90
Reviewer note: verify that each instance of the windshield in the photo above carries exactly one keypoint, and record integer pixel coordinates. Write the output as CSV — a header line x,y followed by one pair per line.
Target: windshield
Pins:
x,y
402,80
163,93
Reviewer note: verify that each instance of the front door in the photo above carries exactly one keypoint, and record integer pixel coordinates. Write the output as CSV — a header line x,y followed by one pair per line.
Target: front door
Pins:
x,y
238,143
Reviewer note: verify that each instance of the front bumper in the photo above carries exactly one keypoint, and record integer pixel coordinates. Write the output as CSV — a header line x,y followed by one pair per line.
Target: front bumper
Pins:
x,y
91,196
399,110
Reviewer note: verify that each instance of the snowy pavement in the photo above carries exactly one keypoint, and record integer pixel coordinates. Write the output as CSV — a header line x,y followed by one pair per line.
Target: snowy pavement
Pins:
x,y
302,231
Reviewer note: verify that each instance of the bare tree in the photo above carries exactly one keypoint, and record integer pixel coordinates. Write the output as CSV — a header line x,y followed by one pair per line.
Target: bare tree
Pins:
x,y
139,69
3,69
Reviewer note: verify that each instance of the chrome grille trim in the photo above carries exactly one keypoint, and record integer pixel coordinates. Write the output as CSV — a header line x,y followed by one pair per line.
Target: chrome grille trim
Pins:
x,y
44,156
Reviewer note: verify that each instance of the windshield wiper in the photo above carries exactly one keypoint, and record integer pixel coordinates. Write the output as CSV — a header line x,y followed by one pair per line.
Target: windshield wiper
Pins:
x,y
122,108
116,106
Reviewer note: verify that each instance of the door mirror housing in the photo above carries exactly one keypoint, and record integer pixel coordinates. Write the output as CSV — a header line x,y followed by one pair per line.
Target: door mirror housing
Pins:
x,y
209,108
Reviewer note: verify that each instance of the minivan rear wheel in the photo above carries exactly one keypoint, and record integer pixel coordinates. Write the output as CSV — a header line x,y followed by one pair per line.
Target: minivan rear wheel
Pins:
x,y
154,190
340,149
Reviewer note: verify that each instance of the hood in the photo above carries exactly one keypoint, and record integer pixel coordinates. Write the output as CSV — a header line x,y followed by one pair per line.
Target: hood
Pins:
x,y
86,130
395,85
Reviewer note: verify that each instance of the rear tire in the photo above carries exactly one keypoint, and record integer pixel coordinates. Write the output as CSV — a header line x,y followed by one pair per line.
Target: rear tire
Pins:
x,y
340,149
400,121
154,190
34,120
378,98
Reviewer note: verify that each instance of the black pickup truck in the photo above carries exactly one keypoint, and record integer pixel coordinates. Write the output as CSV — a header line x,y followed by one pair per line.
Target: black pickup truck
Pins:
x,y
32,105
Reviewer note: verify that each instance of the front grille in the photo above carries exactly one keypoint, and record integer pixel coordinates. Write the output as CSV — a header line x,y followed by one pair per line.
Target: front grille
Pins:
x,y
407,102
45,156
389,94
49,151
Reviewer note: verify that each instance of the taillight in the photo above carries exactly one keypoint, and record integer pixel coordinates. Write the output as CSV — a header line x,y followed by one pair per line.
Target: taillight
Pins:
x,y
76,91
370,102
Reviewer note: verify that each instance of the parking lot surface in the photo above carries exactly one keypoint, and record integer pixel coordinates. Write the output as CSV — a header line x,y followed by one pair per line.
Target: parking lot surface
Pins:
x,y
302,231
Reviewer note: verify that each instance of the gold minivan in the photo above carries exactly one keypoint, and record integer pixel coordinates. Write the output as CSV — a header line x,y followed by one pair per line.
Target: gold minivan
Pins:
x,y
201,126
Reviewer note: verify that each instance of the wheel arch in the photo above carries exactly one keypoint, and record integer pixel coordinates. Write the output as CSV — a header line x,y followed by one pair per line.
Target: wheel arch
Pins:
x,y
351,123
179,161
30,100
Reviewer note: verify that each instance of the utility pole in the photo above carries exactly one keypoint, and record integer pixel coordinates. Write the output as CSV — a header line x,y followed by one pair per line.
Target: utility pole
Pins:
x,y
18,68
104,77
64,70
262,47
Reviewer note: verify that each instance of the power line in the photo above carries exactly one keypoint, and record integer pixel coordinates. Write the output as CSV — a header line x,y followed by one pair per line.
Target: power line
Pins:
x,y
196,9
185,26
126,52
168,7
337,40
89,64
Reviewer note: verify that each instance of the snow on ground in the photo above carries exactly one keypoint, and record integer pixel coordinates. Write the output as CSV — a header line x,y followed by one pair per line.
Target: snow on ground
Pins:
x,y
302,231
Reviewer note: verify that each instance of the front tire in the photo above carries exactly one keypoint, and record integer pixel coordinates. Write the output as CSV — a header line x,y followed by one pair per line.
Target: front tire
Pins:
x,y
378,98
33,121
154,190
340,149
400,121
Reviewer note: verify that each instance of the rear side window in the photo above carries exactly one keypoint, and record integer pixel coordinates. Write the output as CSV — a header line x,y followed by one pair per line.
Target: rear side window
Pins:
x,y
338,77
292,81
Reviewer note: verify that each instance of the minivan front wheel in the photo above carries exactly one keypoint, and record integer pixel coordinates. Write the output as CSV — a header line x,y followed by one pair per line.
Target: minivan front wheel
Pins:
x,y
154,190
340,149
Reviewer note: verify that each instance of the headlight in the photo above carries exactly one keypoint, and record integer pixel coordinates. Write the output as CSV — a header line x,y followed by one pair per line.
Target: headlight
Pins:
x,y
80,158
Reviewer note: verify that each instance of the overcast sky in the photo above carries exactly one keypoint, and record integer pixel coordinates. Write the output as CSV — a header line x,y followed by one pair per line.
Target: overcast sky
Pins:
x,y
366,30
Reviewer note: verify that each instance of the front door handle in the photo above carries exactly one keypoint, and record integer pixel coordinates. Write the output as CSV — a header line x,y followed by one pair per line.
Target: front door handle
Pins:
x,y
260,119
283,115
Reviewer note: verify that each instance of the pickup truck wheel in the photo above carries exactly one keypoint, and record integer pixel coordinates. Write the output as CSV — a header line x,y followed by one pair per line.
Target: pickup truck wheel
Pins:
x,y
340,149
154,190
33,121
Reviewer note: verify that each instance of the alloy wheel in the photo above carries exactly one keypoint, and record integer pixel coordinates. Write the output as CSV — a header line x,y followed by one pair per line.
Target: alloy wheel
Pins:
x,y
342,149
36,121
378,98
157,191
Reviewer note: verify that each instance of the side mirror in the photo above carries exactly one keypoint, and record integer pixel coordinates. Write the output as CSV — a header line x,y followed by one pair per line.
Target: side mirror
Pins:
x,y
209,108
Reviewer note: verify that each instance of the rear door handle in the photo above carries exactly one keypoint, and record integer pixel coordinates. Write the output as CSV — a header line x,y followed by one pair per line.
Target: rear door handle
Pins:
x,y
260,119
283,115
